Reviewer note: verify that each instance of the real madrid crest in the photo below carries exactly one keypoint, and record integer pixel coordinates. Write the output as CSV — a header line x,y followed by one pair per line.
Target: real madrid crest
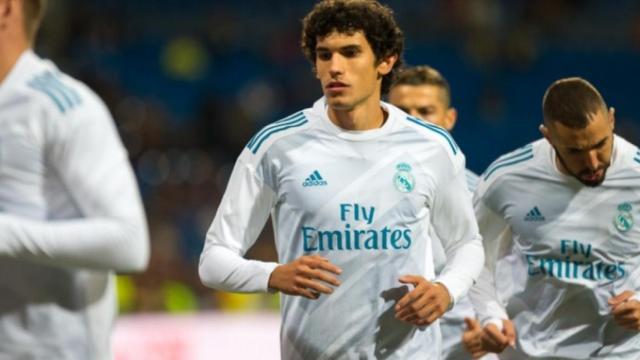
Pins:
x,y
403,180
624,218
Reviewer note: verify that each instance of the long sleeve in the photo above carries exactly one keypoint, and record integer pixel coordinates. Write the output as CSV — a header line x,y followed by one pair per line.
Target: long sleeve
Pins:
x,y
496,240
241,216
83,152
455,225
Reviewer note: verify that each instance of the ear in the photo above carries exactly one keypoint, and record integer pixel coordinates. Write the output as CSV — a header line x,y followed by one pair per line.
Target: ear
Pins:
x,y
545,132
451,116
386,64
612,117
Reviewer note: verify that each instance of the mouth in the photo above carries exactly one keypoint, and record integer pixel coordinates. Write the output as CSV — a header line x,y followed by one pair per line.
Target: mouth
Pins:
x,y
593,176
336,86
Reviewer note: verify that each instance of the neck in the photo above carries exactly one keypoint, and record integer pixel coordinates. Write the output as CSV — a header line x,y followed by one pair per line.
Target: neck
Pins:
x,y
365,116
11,52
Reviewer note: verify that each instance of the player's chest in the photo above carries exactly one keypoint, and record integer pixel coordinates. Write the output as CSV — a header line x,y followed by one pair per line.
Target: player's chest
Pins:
x,y
316,182
558,220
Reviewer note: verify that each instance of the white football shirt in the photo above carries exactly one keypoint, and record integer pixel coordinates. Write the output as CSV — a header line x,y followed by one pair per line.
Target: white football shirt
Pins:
x,y
366,200
575,247
70,214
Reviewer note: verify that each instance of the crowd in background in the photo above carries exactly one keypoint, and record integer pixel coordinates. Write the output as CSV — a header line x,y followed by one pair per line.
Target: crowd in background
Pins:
x,y
190,82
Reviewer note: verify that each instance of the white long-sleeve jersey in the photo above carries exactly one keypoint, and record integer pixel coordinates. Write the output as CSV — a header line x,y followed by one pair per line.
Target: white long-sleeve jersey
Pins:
x,y
452,323
70,214
365,200
575,247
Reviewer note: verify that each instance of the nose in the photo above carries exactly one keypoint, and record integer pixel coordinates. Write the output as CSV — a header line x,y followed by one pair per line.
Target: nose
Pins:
x,y
336,65
592,160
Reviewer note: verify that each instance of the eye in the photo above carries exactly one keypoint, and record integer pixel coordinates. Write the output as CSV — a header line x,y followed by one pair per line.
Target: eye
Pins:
x,y
350,52
404,109
323,55
424,111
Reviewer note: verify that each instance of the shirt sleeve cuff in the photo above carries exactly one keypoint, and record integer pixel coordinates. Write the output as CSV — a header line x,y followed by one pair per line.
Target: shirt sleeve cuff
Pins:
x,y
455,288
267,268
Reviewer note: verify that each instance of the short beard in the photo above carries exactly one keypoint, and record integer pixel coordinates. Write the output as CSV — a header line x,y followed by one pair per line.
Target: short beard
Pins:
x,y
586,183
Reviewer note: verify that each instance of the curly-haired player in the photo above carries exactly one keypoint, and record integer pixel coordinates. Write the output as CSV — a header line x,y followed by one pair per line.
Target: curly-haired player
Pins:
x,y
354,187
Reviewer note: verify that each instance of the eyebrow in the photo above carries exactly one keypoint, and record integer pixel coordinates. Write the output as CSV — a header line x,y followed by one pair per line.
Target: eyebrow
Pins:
x,y
342,48
595,146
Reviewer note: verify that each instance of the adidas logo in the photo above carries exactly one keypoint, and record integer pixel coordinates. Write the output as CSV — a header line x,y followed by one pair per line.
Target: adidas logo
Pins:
x,y
534,215
315,179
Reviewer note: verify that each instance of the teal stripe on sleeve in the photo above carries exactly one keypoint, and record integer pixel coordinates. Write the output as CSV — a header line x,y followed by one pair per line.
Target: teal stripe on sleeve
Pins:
x,y
438,131
277,129
526,156
516,154
63,95
71,93
288,119
47,91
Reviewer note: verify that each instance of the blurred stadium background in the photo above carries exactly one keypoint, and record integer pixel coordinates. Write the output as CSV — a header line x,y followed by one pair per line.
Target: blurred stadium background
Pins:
x,y
190,81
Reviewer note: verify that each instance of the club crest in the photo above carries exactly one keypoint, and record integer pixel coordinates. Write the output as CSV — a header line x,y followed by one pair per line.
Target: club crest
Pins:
x,y
403,180
624,218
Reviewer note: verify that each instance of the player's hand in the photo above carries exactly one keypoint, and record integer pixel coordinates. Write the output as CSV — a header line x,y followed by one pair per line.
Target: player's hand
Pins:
x,y
306,276
496,341
626,312
472,338
424,304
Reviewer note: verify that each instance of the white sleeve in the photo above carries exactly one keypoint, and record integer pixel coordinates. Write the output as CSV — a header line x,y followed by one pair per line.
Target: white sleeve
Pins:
x,y
84,151
455,225
496,240
240,217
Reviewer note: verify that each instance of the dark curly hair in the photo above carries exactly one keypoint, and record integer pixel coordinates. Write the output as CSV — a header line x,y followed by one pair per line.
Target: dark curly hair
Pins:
x,y
349,16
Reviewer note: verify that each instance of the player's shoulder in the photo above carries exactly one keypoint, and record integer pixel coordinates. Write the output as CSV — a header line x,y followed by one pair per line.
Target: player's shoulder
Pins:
x,y
516,162
629,155
48,89
434,134
269,135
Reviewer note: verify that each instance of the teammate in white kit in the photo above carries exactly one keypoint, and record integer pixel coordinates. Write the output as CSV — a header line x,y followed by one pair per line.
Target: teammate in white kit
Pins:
x,y
567,203
70,212
424,93
354,187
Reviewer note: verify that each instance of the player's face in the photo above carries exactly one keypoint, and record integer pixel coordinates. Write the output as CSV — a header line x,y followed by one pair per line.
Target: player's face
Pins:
x,y
426,102
584,153
347,69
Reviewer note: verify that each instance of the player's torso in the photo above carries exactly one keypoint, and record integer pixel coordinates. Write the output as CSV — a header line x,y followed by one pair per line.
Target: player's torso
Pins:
x,y
365,205
577,247
348,198
39,300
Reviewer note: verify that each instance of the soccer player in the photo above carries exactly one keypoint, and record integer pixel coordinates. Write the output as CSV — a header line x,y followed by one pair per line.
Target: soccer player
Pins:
x,y
70,212
354,186
567,203
425,94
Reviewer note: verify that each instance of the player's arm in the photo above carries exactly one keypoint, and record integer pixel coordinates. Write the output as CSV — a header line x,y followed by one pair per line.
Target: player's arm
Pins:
x,y
454,223
239,219
498,331
83,150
